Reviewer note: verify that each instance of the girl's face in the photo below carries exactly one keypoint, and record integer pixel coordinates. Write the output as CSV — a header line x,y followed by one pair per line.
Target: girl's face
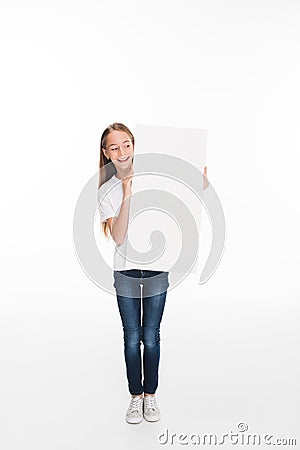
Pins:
x,y
119,149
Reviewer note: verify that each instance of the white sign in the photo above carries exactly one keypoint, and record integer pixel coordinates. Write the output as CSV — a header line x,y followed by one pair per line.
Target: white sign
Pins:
x,y
163,206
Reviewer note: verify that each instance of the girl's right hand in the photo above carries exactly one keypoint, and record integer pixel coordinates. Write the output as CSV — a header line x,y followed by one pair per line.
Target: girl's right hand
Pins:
x,y
127,186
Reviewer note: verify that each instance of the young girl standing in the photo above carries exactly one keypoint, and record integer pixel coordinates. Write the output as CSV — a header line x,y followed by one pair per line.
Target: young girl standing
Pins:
x,y
115,189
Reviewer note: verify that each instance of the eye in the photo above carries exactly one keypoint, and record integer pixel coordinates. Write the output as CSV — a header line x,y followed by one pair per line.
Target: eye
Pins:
x,y
115,148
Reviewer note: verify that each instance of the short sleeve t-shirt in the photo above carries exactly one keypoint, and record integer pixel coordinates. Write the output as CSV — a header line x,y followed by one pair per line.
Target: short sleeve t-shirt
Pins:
x,y
110,197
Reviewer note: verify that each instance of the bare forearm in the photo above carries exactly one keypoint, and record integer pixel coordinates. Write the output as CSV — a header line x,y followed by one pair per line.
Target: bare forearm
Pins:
x,y
119,229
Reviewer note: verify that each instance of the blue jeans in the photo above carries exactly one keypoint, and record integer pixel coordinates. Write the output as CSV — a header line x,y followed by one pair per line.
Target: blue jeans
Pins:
x,y
145,328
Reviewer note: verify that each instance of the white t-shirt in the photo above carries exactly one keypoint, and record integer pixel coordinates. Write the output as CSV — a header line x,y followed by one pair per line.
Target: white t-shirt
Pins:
x,y
110,197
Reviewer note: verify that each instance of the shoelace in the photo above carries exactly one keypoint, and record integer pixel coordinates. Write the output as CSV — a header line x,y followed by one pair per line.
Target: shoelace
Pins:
x,y
135,404
150,402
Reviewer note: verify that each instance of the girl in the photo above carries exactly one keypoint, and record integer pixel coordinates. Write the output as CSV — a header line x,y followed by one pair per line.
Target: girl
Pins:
x,y
133,287
115,189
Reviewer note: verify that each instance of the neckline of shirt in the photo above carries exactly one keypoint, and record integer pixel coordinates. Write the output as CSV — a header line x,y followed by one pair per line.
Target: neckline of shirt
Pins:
x,y
117,179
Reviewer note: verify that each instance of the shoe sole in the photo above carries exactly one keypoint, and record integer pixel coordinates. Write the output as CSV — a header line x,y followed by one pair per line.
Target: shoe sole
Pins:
x,y
152,419
134,421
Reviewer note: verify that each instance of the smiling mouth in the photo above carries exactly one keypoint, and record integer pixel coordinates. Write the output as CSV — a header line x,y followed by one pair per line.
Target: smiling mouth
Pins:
x,y
122,160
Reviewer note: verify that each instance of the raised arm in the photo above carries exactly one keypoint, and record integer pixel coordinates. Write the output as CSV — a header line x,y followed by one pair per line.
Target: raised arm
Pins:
x,y
119,225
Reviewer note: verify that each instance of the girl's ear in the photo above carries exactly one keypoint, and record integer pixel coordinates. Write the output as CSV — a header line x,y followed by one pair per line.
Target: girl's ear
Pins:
x,y
104,151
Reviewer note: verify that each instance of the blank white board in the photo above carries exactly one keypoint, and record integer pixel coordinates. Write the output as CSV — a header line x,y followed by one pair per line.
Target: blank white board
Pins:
x,y
162,203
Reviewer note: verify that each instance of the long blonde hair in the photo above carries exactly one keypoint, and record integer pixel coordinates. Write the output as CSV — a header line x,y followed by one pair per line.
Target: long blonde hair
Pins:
x,y
109,170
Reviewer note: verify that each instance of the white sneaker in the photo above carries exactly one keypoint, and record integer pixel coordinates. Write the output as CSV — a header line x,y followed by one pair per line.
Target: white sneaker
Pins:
x,y
151,410
134,412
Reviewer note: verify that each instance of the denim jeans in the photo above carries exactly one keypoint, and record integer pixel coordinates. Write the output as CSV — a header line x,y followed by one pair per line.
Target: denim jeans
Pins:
x,y
137,328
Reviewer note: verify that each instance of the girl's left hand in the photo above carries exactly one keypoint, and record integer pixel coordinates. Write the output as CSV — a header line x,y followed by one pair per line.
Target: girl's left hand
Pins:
x,y
205,180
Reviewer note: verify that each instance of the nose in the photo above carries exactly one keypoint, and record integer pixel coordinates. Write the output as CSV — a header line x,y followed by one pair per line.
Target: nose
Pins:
x,y
122,152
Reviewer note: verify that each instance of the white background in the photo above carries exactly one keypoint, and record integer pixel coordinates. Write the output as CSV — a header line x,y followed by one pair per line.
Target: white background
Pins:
x,y
229,348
